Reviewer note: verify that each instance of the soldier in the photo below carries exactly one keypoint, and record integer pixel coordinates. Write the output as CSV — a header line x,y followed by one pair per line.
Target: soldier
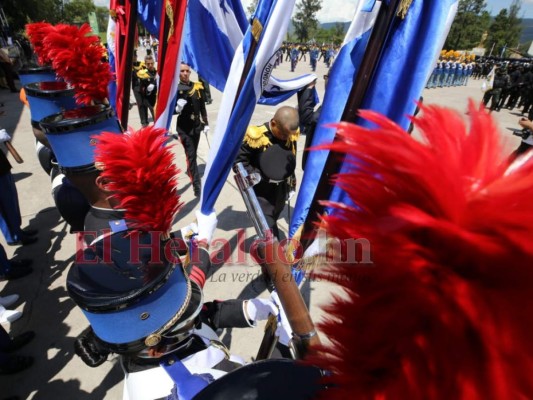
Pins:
x,y
303,52
501,81
270,150
313,56
308,116
148,89
294,57
140,300
10,218
192,120
137,67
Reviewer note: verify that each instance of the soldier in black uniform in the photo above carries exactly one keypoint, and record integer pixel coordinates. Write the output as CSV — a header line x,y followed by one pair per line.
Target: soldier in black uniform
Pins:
x,y
148,89
192,120
141,302
270,149
136,82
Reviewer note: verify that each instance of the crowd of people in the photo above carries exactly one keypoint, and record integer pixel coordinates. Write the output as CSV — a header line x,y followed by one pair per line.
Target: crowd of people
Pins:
x,y
296,52
451,71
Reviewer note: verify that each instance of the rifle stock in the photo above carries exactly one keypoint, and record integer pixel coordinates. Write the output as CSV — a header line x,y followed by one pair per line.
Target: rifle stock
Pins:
x,y
304,333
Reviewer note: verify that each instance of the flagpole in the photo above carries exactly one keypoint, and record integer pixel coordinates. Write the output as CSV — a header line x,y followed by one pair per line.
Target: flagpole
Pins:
x,y
127,46
246,69
386,17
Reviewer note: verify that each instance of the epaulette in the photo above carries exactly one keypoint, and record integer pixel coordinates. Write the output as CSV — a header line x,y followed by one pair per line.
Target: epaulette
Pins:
x,y
291,141
196,87
255,137
139,67
143,74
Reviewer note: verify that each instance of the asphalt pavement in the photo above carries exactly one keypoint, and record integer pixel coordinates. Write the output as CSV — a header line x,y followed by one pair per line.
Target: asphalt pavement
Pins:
x,y
57,372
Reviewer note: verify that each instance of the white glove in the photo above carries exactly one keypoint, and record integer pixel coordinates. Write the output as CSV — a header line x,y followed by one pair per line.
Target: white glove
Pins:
x,y
189,230
206,129
150,88
318,246
284,331
260,309
180,104
206,225
4,136
291,195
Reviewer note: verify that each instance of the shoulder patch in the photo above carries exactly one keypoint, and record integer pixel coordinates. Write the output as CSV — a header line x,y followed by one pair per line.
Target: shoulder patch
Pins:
x,y
255,137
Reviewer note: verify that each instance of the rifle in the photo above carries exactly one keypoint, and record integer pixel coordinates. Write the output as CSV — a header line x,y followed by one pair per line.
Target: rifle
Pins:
x,y
303,330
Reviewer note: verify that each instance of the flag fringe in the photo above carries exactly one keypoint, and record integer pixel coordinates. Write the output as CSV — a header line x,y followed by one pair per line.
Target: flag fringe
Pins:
x,y
403,8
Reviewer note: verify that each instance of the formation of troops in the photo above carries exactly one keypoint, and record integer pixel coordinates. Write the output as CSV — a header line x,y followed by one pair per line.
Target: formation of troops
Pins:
x,y
298,52
406,326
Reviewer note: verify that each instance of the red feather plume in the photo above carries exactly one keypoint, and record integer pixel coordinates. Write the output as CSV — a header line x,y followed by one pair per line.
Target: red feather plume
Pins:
x,y
444,310
143,176
36,33
76,56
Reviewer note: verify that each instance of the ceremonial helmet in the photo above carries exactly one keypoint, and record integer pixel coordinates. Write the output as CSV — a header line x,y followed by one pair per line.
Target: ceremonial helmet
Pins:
x,y
130,284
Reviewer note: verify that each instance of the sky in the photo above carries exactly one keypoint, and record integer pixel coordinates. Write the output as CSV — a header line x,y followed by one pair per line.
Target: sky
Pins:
x,y
495,6
343,10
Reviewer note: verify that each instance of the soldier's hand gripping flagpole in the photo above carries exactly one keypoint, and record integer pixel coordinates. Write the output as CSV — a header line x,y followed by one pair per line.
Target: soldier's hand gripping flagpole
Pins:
x,y
290,297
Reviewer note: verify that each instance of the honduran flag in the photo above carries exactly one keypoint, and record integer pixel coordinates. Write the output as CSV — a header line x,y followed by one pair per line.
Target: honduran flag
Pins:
x,y
267,29
213,31
412,47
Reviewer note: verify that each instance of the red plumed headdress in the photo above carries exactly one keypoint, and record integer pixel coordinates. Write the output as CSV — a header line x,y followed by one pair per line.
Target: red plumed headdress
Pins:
x,y
142,174
77,56
36,33
444,309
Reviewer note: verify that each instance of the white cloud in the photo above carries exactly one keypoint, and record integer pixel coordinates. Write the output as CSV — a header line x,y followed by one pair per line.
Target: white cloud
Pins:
x,y
101,3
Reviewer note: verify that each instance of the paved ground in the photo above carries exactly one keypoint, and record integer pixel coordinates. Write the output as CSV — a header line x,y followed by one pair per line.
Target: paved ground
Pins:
x,y
58,373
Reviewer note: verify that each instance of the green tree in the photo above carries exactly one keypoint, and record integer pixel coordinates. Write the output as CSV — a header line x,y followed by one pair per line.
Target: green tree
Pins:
x,y
102,15
471,21
20,12
338,33
505,30
304,20
77,11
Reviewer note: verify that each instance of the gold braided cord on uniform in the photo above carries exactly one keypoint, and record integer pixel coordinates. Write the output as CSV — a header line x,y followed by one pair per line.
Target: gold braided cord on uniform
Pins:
x,y
257,29
143,74
291,141
170,14
403,8
255,137
197,87
138,68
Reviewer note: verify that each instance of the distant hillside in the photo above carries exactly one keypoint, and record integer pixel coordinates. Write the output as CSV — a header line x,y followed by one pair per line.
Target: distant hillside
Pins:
x,y
330,25
526,37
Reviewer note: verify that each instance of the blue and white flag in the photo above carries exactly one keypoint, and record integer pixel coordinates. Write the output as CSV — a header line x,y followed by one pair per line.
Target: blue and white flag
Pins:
x,y
269,26
213,31
149,14
413,46
341,76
